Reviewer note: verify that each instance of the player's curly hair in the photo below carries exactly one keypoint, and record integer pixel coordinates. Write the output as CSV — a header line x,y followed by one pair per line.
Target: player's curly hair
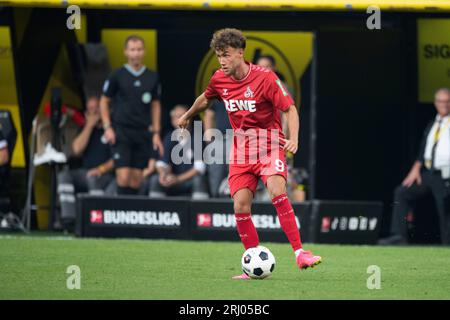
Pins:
x,y
227,37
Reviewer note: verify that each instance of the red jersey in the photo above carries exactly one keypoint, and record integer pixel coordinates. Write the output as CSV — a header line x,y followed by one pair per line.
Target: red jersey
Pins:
x,y
254,102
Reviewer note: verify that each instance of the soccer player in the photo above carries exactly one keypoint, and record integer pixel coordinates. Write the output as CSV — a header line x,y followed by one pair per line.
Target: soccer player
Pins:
x,y
253,97
135,94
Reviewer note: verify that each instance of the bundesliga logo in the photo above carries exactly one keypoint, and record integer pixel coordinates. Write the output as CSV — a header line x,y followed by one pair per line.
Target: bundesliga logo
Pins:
x,y
96,216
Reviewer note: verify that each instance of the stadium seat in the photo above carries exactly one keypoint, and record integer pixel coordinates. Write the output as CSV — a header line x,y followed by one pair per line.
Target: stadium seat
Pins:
x,y
69,131
41,137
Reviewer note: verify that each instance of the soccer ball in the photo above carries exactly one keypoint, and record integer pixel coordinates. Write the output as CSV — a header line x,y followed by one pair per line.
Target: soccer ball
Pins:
x,y
258,263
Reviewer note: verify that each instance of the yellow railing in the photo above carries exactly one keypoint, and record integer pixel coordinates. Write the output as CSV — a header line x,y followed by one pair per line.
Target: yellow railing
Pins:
x,y
256,5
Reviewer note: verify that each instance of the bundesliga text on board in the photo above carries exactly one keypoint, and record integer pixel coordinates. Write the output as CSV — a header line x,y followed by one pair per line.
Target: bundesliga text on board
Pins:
x,y
228,221
132,217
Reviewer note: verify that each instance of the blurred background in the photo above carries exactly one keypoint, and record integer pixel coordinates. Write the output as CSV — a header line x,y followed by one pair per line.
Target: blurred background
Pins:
x,y
365,93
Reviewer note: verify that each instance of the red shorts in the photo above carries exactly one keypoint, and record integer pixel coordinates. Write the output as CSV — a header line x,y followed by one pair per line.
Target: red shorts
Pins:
x,y
246,175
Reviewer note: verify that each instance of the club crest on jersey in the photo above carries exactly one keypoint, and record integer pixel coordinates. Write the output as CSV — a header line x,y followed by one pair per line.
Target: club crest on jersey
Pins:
x,y
146,97
240,105
225,92
248,93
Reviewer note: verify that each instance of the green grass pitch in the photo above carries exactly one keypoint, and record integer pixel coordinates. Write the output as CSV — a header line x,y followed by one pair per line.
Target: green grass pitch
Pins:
x,y
34,267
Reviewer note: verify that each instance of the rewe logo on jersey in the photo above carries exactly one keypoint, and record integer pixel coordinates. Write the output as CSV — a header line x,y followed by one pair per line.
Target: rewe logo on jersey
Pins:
x,y
243,105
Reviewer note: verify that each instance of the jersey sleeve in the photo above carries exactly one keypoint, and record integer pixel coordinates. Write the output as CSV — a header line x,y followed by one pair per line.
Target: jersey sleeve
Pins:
x,y
111,85
211,91
277,93
156,92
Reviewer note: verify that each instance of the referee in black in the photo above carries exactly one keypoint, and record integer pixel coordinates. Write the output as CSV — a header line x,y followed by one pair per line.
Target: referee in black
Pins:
x,y
133,128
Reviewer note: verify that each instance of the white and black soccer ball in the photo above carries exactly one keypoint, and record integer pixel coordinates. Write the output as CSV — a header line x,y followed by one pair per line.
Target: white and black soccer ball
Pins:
x,y
258,263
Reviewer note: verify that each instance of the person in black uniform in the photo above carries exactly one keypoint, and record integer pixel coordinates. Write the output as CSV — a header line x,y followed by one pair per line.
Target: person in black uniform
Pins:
x,y
430,173
134,93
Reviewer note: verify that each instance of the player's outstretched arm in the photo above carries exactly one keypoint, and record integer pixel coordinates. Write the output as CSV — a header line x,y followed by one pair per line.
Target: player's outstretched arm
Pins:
x,y
200,104
293,122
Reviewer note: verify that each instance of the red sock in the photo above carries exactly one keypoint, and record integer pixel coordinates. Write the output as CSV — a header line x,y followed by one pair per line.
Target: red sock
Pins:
x,y
287,220
246,230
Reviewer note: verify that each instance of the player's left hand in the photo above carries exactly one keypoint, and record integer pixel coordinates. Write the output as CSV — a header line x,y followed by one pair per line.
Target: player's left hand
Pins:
x,y
157,144
290,145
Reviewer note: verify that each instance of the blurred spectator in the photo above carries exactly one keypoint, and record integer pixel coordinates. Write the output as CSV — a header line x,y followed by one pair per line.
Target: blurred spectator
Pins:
x,y
268,61
297,182
4,154
96,172
147,173
174,178
430,173
216,117
133,129
4,167
151,168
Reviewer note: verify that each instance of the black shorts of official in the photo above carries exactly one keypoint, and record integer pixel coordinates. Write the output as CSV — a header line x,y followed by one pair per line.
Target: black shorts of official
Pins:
x,y
133,148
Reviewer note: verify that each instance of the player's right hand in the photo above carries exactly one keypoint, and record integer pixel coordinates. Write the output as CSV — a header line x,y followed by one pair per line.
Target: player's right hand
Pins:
x,y
183,123
110,136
